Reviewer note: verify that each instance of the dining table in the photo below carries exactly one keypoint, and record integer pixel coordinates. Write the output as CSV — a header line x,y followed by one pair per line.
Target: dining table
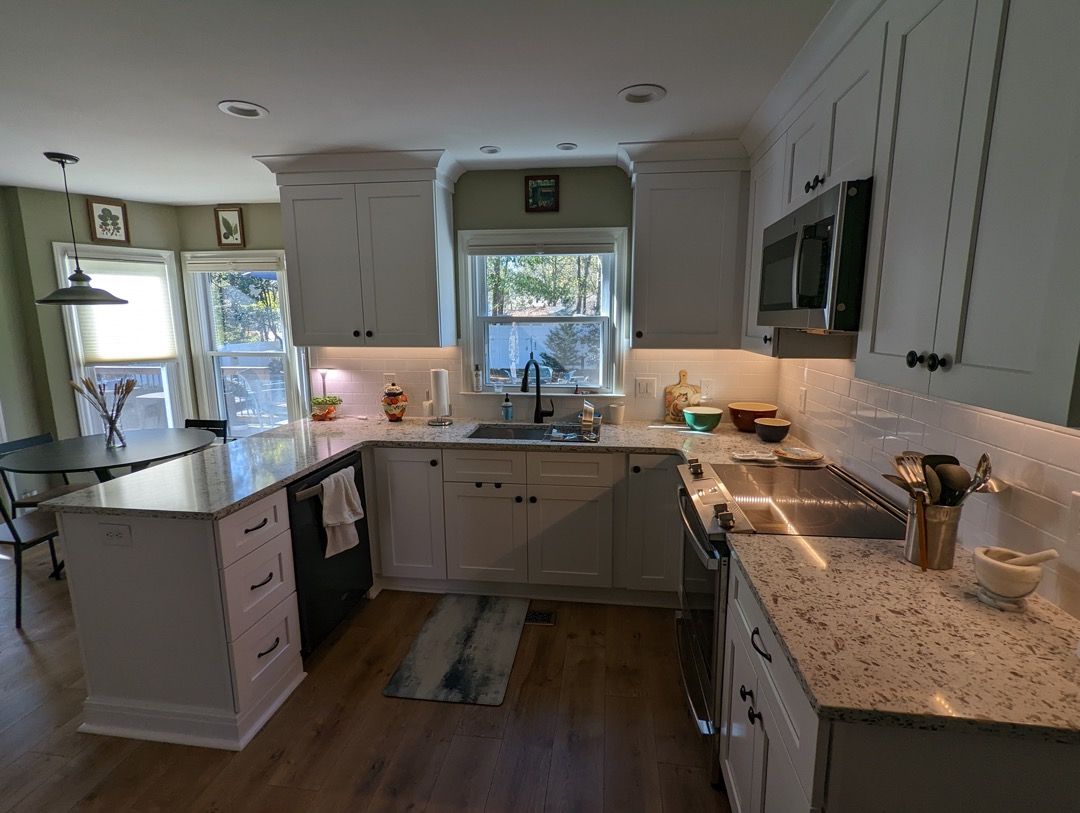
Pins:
x,y
89,454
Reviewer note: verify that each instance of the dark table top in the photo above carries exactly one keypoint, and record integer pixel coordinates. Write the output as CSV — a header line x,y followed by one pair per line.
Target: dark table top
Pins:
x,y
89,453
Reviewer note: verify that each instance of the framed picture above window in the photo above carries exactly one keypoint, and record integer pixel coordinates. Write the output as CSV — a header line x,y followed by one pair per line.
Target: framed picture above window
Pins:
x,y
229,222
108,221
541,193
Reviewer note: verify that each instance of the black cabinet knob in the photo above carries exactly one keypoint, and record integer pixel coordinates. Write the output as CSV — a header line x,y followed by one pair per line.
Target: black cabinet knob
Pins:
x,y
434,462
745,693
807,187
498,485
636,469
518,498
369,333
356,333
934,362
914,359
766,339
532,499
752,715
638,334
479,485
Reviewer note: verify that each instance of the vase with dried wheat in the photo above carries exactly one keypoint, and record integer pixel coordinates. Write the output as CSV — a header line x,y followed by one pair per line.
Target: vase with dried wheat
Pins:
x,y
95,395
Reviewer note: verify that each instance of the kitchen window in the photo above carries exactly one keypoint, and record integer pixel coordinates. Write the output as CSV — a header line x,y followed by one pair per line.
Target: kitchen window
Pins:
x,y
246,368
556,295
144,339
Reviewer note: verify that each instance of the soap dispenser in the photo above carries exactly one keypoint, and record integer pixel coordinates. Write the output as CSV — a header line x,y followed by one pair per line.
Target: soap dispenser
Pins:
x,y
507,408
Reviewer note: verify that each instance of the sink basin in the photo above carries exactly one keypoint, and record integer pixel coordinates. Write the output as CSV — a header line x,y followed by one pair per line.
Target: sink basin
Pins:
x,y
502,431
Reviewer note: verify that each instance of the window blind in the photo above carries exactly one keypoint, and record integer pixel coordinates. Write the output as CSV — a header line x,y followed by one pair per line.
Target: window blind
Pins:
x,y
513,250
142,330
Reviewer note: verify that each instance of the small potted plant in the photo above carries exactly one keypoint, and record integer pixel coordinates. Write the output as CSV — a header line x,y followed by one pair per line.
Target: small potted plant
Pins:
x,y
324,407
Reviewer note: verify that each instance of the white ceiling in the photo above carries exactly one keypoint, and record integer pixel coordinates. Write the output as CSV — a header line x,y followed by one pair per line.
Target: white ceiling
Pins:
x,y
131,86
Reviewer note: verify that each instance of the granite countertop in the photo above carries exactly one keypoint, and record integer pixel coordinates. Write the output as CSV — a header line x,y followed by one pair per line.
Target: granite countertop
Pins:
x,y
222,479
874,639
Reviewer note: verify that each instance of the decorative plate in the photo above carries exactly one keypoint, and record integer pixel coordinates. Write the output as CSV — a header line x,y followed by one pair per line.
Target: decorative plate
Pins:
x,y
798,454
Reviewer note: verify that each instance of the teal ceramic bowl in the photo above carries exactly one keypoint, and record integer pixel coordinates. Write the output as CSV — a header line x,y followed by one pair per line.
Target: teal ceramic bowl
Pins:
x,y
702,418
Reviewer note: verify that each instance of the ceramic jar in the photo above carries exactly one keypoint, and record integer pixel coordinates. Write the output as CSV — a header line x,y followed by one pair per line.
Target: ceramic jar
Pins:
x,y
394,402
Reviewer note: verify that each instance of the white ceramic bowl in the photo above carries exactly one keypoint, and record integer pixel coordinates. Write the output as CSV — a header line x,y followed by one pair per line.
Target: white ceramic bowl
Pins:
x,y
995,574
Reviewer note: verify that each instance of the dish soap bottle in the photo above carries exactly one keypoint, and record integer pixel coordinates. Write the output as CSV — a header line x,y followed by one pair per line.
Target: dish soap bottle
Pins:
x,y
477,379
507,408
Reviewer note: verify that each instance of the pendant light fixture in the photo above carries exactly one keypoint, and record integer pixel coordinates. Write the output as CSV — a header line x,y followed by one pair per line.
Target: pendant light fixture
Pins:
x,y
79,292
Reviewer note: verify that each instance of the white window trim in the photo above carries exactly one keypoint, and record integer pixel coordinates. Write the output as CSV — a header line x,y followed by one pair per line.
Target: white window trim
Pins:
x,y
469,240
196,262
61,253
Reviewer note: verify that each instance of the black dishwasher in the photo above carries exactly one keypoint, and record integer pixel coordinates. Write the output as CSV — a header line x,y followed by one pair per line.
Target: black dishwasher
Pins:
x,y
326,589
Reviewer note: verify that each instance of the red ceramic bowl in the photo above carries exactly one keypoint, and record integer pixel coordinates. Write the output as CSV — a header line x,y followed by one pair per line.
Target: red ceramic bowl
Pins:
x,y
744,413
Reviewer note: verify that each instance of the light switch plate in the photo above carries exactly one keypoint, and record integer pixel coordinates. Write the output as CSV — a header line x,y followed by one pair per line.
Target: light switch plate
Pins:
x,y
389,378
645,386
116,534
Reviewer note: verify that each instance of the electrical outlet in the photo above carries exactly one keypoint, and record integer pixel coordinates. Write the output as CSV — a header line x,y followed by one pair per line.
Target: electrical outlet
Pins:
x,y
645,386
389,378
116,534
708,389
802,400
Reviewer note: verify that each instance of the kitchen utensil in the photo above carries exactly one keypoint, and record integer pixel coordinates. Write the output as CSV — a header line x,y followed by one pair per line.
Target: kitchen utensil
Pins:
x,y
743,413
772,430
1002,584
955,481
942,522
909,466
898,481
982,476
933,484
935,460
702,418
992,486
1034,558
678,396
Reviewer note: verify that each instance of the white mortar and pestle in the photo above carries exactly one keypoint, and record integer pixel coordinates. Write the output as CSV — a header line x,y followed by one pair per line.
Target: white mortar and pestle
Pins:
x,y
1006,576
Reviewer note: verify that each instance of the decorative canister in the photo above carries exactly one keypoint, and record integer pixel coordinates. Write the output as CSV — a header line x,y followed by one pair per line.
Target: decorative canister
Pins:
x,y
394,401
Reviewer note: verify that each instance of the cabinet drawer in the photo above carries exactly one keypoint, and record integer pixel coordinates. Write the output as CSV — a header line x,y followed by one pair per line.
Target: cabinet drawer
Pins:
x,y
266,653
571,468
251,526
798,724
479,466
257,583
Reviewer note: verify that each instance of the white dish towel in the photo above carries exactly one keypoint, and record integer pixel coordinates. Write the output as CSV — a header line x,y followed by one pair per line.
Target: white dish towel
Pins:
x,y
341,508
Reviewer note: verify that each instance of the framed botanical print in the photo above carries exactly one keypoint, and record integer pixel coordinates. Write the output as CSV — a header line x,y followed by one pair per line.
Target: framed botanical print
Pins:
x,y
541,193
229,223
108,221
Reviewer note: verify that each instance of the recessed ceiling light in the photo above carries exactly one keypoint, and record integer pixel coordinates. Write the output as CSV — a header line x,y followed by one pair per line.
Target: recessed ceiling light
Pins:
x,y
490,149
566,145
642,94
242,109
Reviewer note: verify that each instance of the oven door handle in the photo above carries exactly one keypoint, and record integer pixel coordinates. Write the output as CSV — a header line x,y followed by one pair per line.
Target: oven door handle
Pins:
x,y
708,562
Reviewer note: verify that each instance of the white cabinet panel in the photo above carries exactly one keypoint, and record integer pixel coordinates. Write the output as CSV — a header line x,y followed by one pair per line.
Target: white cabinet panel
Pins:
x,y
264,655
688,259
572,468
570,535
781,791
483,466
322,252
486,534
243,531
805,156
651,552
738,747
765,208
412,539
258,582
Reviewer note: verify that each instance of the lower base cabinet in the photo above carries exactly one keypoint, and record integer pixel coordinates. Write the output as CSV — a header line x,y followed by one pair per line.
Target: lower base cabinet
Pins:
x,y
486,532
409,489
570,535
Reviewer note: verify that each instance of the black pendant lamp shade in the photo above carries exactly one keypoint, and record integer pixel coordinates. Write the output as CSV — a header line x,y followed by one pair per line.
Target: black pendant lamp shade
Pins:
x,y
79,292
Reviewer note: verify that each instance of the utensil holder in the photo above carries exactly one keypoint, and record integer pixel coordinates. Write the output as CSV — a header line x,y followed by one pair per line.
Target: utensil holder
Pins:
x,y
942,523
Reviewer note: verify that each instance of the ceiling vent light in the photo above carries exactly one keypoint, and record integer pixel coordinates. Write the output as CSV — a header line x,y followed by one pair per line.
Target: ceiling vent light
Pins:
x,y
566,145
642,94
242,109
490,149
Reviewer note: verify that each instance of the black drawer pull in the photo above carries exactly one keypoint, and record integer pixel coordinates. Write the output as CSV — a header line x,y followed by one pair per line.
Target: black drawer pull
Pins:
x,y
257,527
273,646
498,485
356,333
759,648
369,333
518,498
638,334
752,715
479,485
745,693
264,582
532,499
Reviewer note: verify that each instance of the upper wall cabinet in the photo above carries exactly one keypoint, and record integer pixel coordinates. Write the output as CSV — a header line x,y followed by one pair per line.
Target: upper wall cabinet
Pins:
x,y
368,245
688,241
974,292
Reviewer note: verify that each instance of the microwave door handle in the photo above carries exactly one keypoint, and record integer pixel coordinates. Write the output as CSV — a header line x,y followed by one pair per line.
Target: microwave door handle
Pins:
x,y
796,267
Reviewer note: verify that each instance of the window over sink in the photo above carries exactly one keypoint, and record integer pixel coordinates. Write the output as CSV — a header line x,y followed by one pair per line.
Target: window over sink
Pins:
x,y
555,295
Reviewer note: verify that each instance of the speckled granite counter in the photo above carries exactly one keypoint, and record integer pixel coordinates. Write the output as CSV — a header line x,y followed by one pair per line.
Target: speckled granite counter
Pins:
x,y
222,479
874,639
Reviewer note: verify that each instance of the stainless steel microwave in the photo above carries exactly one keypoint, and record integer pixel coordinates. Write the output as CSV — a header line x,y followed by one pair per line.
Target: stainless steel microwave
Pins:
x,y
813,261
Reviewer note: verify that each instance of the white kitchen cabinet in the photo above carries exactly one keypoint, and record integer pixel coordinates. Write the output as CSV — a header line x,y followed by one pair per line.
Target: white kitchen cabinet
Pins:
x,y
486,532
687,279
780,788
804,156
650,552
412,537
740,761
570,535
766,206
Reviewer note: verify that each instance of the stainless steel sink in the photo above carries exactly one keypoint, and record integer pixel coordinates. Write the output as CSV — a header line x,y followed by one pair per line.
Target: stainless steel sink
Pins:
x,y
500,431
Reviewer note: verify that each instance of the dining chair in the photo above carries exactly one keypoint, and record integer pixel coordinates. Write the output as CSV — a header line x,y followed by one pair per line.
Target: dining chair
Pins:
x,y
23,533
218,427
32,499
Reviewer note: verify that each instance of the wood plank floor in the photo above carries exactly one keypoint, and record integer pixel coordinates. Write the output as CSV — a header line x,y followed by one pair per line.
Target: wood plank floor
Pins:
x,y
593,720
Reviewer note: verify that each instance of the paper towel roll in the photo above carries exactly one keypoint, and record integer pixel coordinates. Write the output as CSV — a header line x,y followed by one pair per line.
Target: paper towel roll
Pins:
x,y
440,392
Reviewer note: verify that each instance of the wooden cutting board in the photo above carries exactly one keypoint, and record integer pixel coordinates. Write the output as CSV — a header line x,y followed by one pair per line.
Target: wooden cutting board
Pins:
x,y
678,396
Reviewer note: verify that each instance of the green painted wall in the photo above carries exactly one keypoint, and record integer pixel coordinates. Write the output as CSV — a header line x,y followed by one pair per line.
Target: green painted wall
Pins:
x,y
262,227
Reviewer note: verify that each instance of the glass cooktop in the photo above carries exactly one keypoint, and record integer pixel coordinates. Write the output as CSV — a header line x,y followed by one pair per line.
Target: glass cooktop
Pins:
x,y
806,502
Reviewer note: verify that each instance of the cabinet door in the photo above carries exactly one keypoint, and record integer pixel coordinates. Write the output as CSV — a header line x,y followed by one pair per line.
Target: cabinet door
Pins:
x,y
923,96
781,791
570,535
804,156
765,208
1007,320
412,538
326,305
738,747
486,536
688,259
651,553
396,224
